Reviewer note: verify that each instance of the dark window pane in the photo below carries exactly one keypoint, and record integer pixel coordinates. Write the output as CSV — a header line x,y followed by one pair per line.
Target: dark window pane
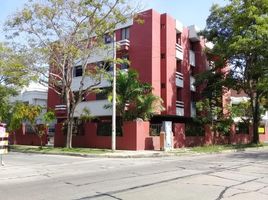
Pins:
x,y
78,71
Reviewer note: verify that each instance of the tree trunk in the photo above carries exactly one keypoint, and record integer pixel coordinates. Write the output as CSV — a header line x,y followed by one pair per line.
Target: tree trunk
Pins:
x,y
69,133
256,119
41,143
69,121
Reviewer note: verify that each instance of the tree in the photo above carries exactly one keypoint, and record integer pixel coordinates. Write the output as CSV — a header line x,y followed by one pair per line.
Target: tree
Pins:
x,y
65,34
14,74
239,32
29,114
133,98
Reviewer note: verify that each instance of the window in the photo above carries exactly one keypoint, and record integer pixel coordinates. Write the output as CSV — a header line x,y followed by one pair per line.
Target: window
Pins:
x,y
29,129
107,39
192,46
155,129
105,128
125,65
108,66
125,33
102,95
194,129
163,55
179,69
242,128
78,127
179,94
178,38
78,71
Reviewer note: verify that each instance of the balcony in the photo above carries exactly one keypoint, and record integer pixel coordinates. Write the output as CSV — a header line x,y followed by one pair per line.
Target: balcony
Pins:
x,y
179,52
193,33
123,45
192,86
179,79
193,109
60,110
88,81
96,108
192,58
180,108
179,27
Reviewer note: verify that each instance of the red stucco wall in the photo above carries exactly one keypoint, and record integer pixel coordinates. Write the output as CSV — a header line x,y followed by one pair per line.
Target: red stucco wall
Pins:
x,y
135,137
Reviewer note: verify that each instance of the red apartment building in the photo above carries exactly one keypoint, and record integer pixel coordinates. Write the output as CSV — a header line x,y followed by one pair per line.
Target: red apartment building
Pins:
x,y
167,55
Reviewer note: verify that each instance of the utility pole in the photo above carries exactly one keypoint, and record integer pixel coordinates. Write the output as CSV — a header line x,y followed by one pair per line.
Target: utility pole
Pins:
x,y
114,95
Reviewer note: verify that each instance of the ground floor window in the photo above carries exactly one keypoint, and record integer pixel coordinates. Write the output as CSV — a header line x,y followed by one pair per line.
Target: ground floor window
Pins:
x,y
104,128
155,129
242,128
194,129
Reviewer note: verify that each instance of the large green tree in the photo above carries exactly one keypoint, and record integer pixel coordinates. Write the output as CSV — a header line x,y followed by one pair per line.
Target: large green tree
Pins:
x,y
14,74
239,32
68,33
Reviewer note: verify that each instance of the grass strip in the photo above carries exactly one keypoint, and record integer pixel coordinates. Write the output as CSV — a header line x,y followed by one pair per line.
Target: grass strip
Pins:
x,y
37,149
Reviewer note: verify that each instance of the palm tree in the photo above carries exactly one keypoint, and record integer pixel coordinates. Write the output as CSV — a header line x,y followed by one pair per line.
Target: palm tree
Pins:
x,y
133,98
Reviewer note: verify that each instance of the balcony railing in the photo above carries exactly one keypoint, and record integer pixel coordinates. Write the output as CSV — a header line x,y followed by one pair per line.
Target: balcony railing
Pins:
x,y
124,44
193,33
179,52
192,58
192,86
180,108
179,79
61,107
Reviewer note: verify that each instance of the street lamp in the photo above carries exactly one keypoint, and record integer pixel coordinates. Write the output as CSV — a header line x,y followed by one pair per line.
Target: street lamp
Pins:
x,y
114,95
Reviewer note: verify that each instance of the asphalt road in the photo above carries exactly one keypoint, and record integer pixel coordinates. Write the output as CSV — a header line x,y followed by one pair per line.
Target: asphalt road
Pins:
x,y
217,176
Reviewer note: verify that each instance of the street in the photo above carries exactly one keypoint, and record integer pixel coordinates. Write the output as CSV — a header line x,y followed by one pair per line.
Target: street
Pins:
x,y
242,175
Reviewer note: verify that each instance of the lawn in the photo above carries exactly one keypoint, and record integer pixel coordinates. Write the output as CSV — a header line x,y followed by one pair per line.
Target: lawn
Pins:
x,y
55,150
218,148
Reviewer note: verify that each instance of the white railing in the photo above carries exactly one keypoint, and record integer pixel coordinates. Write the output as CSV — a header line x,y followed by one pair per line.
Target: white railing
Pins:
x,y
179,52
96,108
180,108
61,107
179,79
124,42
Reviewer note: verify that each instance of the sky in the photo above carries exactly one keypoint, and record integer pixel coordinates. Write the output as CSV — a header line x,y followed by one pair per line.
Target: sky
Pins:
x,y
186,11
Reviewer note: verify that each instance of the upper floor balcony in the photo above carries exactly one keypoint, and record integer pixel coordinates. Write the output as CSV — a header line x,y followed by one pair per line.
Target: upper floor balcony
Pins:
x,y
123,45
179,27
192,58
193,33
179,79
180,108
96,108
179,52
88,81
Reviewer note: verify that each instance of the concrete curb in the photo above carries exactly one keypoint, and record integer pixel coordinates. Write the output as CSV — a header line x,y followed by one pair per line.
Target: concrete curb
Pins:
x,y
144,155
108,155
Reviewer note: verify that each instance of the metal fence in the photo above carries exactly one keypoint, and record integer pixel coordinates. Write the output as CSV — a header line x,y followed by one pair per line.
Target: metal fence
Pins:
x,y
155,129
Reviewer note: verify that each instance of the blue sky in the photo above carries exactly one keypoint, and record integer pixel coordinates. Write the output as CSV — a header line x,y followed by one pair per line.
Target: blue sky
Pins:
x,y
187,11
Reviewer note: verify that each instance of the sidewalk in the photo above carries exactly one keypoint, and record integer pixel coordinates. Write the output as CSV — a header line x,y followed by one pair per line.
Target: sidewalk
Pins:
x,y
144,153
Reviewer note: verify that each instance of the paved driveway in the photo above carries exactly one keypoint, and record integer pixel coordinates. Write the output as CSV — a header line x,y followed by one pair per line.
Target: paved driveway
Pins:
x,y
217,176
